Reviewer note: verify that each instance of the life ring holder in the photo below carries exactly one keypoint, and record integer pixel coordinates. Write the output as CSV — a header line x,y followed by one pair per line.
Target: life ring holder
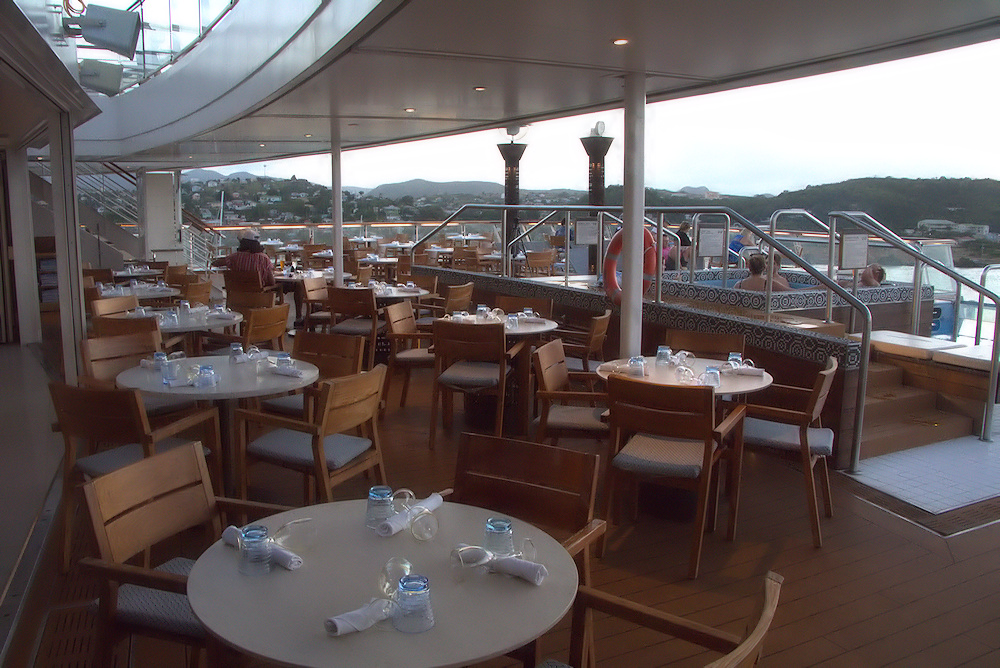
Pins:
x,y
611,285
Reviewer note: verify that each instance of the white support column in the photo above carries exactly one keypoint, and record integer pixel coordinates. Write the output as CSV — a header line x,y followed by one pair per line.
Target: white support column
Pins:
x,y
23,241
67,233
337,205
634,201
159,211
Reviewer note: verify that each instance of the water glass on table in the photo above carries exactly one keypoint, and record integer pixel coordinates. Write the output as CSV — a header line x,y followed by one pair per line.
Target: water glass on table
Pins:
x,y
379,505
413,599
255,550
664,356
499,536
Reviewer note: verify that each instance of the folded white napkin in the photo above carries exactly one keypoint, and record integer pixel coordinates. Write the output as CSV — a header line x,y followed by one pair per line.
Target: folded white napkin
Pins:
x,y
181,381
532,320
239,359
279,555
149,364
288,371
526,570
360,619
746,371
200,308
400,521
222,315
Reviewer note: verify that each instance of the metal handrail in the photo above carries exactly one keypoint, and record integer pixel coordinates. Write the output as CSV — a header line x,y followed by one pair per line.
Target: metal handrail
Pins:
x,y
979,314
865,221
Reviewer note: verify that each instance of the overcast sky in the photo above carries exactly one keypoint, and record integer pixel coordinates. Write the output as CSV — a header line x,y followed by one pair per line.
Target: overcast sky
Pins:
x,y
922,117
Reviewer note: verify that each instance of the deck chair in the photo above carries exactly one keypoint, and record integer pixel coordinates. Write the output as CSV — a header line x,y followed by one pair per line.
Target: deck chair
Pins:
x,y
668,434
134,508
739,651
786,420
319,448
104,430
553,488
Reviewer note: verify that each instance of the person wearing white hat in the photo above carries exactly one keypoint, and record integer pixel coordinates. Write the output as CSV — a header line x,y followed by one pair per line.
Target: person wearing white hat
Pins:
x,y
249,256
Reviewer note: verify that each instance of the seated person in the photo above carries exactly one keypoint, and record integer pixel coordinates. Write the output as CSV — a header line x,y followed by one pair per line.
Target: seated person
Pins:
x,y
757,265
737,243
871,276
780,282
670,257
249,256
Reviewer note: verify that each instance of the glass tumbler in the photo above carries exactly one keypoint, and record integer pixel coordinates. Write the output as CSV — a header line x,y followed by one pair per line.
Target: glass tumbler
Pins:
x,y
711,377
499,536
255,550
664,356
379,505
736,360
413,613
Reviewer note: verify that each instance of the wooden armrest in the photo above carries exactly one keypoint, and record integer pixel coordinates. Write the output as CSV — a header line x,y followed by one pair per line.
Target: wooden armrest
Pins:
x,y
777,414
190,419
732,420
404,336
585,376
585,537
663,622
515,349
239,505
276,421
573,395
137,575
575,349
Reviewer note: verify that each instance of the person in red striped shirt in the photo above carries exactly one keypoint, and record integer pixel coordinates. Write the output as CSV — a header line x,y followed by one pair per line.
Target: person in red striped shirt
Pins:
x,y
249,256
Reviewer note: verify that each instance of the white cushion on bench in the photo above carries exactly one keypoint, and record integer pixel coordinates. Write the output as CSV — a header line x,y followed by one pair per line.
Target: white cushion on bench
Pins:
x,y
971,357
908,345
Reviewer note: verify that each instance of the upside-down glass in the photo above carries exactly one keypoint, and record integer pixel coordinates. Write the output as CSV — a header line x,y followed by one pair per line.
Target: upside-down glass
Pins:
x,y
255,550
413,598
499,536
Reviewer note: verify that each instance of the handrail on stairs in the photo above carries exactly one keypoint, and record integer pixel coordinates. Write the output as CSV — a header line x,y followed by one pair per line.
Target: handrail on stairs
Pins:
x,y
865,221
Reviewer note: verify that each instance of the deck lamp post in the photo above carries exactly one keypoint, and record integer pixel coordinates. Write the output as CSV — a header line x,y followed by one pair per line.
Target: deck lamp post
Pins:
x,y
512,153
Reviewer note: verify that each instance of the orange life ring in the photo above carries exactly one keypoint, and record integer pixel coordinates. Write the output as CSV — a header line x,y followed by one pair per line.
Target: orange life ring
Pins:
x,y
611,286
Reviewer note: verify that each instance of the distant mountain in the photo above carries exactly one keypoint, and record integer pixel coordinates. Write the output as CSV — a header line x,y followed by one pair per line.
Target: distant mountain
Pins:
x,y
422,188
201,175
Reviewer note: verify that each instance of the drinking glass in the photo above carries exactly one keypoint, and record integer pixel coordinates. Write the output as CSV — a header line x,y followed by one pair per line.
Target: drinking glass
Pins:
x,y
664,356
388,578
379,505
284,361
235,353
711,377
423,523
736,360
255,550
512,321
482,312
206,376
636,366
499,536
413,613
170,370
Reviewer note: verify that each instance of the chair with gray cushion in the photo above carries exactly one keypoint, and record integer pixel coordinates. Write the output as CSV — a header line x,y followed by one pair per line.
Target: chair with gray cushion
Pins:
x,y
104,430
134,508
668,434
471,358
405,350
355,313
321,449
565,410
786,420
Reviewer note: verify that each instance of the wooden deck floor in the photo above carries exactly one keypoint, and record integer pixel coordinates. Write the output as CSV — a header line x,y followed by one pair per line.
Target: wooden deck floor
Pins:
x,y
881,591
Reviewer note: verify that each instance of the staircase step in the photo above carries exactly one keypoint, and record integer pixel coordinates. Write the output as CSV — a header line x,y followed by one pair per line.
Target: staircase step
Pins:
x,y
912,430
893,401
881,375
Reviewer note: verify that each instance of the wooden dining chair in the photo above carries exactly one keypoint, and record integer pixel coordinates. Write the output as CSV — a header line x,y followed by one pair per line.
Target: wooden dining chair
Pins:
x,y
785,420
363,274
743,650
335,355
112,305
405,351
320,449
472,359
100,275
510,304
105,429
563,409
552,488
243,302
263,327
315,303
713,345
115,326
105,357
539,263
196,292
355,313
668,434
236,280
134,508
584,348
177,274
453,298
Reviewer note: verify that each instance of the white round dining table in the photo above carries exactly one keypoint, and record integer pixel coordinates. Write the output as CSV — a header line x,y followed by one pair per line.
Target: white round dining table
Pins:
x,y
142,291
280,616
667,375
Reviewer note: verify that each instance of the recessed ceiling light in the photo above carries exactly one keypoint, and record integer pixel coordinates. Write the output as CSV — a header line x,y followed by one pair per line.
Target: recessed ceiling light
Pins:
x,y
308,135
261,145
190,157
621,41
479,89
409,110
352,125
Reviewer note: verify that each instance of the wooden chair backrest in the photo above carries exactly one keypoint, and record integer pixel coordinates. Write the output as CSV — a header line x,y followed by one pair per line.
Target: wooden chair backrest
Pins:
x,y
237,280
744,653
197,292
457,297
141,504
101,275
821,389
509,304
399,318
335,355
113,326
404,264
176,273
353,302
429,283
98,416
350,401
421,258
266,325
704,344
88,282
107,356
465,258
540,261
678,411
597,332
110,305
549,361
314,288
244,302
468,342
548,486
363,274
159,266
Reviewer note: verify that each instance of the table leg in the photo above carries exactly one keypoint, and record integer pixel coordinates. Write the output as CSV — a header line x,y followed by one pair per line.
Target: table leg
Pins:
x,y
523,370
227,433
